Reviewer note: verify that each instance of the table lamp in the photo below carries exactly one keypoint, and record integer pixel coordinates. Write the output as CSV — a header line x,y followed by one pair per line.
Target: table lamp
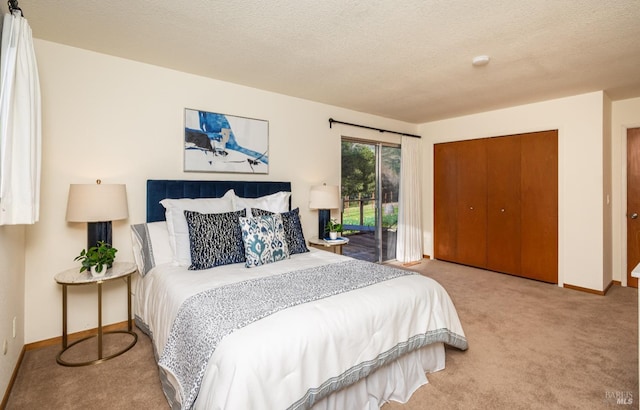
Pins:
x,y
97,204
324,198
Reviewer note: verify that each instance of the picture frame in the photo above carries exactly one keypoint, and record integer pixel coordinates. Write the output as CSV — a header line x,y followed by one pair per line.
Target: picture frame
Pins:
x,y
215,142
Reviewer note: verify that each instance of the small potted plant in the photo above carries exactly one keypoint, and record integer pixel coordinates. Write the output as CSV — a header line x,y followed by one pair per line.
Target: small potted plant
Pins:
x,y
97,259
333,227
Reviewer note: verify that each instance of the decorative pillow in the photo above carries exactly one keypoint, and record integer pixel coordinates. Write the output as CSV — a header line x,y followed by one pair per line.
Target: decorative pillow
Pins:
x,y
292,229
216,239
151,245
264,241
177,224
276,203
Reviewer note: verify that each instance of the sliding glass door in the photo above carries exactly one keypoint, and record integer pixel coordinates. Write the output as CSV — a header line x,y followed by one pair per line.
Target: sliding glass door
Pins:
x,y
370,187
389,184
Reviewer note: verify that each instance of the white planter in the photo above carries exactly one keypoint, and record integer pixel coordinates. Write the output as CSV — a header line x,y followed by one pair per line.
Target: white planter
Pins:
x,y
98,274
333,235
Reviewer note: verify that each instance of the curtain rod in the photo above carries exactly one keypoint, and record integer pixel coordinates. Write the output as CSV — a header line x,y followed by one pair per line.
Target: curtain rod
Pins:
x,y
13,6
331,121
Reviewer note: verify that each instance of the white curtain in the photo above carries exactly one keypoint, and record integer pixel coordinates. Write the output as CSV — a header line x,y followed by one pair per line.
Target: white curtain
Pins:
x,y
409,241
20,128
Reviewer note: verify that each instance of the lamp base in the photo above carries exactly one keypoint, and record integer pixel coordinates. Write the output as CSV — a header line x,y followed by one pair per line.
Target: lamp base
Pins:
x,y
98,231
324,216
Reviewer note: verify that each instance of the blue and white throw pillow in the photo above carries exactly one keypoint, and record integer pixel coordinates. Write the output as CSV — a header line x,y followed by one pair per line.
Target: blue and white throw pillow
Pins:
x,y
292,229
215,239
264,240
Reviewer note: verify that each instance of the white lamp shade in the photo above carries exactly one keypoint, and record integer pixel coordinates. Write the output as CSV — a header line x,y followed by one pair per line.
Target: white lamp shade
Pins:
x,y
324,197
97,202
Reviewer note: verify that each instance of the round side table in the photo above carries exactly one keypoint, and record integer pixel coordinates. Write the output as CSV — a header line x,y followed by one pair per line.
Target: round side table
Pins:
x,y
73,277
334,246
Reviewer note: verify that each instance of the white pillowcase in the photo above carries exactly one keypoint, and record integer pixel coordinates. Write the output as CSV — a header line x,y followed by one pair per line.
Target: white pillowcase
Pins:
x,y
151,245
276,203
177,223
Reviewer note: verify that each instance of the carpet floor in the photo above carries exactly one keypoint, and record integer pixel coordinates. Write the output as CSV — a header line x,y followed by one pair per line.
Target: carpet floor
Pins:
x,y
532,345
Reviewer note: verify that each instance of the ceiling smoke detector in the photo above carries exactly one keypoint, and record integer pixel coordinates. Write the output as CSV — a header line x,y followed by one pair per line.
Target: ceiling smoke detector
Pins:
x,y
480,61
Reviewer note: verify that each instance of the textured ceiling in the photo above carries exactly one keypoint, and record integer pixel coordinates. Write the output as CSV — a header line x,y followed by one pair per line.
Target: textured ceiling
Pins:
x,y
409,60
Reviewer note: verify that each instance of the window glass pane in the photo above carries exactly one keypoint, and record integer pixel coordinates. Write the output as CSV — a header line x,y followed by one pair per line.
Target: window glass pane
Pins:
x,y
390,184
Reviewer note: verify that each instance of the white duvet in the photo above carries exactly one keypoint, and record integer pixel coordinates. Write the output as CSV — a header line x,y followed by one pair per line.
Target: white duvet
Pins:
x,y
272,363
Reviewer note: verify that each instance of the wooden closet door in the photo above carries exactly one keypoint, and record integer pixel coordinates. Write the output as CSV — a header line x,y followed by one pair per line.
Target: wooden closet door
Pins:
x,y
445,176
633,203
539,223
503,204
472,203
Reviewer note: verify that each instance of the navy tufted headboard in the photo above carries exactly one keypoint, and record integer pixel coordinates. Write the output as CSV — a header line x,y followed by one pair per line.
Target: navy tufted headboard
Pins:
x,y
159,189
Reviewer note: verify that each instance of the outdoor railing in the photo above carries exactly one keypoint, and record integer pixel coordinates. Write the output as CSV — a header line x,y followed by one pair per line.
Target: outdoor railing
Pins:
x,y
354,219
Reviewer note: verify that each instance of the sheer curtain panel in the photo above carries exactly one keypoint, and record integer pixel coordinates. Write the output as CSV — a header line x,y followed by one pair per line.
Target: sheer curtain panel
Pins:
x,y
20,127
409,246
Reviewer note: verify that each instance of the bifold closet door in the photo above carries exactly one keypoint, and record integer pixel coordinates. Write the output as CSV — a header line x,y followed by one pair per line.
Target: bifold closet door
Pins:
x,y
496,204
503,204
445,176
460,202
471,212
539,223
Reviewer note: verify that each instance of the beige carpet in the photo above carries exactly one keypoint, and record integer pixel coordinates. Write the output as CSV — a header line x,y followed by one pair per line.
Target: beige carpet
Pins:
x,y
531,346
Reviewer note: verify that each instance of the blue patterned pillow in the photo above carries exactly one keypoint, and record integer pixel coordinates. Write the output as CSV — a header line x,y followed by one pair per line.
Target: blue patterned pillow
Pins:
x,y
264,241
215,239
292,229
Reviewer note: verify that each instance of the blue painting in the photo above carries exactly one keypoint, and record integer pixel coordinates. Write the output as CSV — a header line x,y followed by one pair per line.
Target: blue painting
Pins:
x,y
225,143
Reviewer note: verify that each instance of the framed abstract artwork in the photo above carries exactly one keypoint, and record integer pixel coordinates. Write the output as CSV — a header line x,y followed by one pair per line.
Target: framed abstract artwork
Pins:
x,y
225,143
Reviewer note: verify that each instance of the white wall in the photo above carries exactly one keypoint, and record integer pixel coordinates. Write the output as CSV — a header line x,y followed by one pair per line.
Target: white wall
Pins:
x,y
579,121
11,299
625,114
122,121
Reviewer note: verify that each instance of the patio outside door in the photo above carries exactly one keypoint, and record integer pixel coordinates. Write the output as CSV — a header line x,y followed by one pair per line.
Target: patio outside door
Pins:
x,y
370,188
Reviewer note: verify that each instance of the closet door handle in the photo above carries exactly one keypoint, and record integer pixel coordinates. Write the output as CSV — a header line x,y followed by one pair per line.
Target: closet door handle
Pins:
x,y
634,215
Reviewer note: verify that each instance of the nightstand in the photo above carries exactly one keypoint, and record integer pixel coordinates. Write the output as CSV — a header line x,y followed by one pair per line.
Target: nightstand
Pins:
x,y
73,277
334,246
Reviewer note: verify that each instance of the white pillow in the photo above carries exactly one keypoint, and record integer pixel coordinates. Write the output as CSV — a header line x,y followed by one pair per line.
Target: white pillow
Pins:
x,y
276,203
151,246
177,223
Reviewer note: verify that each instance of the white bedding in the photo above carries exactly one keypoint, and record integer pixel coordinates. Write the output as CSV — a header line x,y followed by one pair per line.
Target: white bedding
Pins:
x,y
273,362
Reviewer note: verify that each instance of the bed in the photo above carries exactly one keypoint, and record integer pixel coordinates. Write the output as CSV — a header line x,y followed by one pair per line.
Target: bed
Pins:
x,y
293,327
